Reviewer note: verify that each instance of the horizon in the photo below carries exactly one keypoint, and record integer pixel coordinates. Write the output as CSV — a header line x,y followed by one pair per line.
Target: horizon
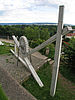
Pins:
x,y
35,23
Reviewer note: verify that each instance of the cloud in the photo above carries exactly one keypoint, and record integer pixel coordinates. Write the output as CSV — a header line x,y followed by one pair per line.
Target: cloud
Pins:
x,y
35,10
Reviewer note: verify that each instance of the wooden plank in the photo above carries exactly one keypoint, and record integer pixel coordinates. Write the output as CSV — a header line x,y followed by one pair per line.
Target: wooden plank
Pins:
x,y
36,77
15,48
22,61
28,65
57,52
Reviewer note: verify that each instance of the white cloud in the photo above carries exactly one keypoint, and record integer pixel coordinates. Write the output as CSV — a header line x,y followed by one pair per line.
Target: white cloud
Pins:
x,y
36,10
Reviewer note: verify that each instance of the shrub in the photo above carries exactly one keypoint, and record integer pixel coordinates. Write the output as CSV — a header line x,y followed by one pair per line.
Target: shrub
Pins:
x,y
69,51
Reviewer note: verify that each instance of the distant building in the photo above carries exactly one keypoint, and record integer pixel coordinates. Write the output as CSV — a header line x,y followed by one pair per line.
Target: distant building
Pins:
x,y
70,35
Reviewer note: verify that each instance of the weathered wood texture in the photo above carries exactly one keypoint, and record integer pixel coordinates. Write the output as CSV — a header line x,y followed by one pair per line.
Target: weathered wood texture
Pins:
x,y
28,65
36,77
57,52
65,31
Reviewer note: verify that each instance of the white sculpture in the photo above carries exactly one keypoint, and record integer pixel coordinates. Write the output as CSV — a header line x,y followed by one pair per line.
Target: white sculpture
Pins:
x,y
23,46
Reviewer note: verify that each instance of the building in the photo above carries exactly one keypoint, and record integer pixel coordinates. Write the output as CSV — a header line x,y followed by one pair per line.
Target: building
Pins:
x,y
70,35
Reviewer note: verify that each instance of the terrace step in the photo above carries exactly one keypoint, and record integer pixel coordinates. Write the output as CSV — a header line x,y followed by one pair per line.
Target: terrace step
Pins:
x,y
20,73
12,88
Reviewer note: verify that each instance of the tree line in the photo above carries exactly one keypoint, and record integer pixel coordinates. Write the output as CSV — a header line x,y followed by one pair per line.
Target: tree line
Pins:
x,y
32,32
36,34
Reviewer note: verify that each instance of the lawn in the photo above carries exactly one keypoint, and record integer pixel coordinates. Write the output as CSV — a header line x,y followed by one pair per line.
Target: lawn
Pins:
x,y
67,72
5,49
2,94
62,93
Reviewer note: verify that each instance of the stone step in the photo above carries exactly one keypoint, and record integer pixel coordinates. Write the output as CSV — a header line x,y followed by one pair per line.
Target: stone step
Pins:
x,y
20,73
12,88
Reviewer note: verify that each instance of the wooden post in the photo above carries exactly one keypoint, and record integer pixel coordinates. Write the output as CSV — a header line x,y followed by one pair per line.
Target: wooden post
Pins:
x,y
57,52
15,48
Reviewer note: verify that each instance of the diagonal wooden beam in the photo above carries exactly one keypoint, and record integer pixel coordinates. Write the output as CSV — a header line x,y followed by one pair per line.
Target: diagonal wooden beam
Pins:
x,y
66,30
28,65
18,57
32,70
50,40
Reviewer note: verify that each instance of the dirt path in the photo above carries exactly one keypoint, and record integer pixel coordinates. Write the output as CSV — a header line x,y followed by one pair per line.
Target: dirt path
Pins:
x,y
5,40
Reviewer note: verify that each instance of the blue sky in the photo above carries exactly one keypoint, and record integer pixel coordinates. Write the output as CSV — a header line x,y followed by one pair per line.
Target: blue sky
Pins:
x,y
28,11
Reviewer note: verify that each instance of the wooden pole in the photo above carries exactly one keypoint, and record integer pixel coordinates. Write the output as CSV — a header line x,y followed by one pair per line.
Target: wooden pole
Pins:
x,y
15,48
57,52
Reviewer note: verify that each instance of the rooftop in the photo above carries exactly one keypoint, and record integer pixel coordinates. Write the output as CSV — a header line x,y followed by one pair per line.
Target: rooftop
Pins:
x,y
71,34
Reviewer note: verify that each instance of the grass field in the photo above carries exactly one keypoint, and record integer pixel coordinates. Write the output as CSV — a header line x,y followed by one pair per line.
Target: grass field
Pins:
x,y
62,92
5,49
2,94
67,72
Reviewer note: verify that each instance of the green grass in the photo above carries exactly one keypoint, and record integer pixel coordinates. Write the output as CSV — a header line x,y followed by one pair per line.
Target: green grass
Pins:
x,y
67,72
2,94
5,49
44,93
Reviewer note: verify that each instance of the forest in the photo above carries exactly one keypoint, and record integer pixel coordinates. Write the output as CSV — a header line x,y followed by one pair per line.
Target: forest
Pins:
x,y
30,31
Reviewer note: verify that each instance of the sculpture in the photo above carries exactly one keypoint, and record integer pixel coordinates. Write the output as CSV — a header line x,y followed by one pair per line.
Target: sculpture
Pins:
x,y
23,46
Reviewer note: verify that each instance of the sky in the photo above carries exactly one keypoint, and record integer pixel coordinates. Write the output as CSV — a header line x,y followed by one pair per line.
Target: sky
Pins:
x,y
29,11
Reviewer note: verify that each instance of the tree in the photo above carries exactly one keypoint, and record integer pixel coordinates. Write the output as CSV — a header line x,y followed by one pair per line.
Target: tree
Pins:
x,y
70,54
44,34
29,33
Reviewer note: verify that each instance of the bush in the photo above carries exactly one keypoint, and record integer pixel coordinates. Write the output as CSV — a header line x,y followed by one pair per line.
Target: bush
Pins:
x,y
33,44
51,51
69,51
